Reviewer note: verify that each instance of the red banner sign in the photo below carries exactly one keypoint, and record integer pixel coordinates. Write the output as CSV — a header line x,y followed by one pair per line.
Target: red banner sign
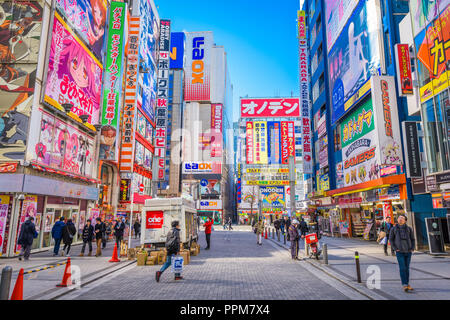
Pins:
x,y
404,69
8,167
284,143
270,108
154,219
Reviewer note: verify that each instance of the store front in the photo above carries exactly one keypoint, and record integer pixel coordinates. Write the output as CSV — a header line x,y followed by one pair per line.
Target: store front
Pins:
x,y
212,214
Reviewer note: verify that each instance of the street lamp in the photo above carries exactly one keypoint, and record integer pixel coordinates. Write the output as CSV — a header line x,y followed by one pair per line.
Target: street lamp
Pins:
x,y
67,107
84,118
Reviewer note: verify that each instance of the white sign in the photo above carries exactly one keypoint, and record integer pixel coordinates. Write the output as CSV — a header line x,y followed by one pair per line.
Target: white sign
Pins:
x,y
210,204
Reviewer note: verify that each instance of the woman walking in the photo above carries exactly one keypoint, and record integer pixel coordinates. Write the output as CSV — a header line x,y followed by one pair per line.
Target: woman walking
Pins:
x,y
68,233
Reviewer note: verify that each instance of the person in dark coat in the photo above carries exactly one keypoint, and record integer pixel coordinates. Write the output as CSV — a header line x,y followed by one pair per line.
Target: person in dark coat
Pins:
x,y
57,234
88,235
386,227
294,237
282,225
26,236
403,242
173,248
303,228
287,224
68,233
99,229
137,229
119,227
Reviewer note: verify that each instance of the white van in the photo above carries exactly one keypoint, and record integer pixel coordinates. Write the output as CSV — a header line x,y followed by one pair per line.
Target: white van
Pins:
x,y
157,216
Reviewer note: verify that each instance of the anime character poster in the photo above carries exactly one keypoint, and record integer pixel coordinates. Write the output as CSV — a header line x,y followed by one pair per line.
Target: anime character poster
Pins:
x,y
424,11
74,74
4,207
353,59
44,149
87,18
20,30
29,209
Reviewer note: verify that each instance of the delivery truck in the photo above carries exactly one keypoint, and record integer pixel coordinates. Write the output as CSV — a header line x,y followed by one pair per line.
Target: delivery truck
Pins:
x,y
157,217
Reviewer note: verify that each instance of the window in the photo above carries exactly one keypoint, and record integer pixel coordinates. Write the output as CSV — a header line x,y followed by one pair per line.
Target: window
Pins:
x,y
298,140
387,47
321,83
298,153
319,53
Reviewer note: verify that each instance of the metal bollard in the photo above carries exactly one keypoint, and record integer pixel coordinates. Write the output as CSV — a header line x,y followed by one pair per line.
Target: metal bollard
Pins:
x,y
358,268
325,253
278,235
273,234
5,283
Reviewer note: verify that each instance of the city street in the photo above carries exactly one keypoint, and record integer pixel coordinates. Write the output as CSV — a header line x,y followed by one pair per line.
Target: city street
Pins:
x,y
236,268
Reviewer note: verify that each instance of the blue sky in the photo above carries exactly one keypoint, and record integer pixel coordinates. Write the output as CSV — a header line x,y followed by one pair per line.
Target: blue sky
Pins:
x,y
260,39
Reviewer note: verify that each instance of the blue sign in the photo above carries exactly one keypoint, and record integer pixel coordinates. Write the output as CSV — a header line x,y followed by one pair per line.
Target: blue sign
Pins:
x,y
353,58
204,183
273,142
177,50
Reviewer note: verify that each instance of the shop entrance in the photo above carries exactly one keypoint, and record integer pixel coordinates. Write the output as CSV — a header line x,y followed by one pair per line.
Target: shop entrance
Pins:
x,y
53,212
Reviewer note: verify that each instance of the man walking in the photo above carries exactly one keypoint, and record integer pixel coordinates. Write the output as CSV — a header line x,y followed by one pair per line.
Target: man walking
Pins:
x,y
303,227
294,237
403,242
26,236
386,227
57,231
137,229
282,225
88,234
259,231
208,224
99,229
173,248
119,227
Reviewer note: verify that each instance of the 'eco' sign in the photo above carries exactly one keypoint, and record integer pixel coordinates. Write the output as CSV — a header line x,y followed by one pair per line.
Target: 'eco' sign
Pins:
x,y
154,219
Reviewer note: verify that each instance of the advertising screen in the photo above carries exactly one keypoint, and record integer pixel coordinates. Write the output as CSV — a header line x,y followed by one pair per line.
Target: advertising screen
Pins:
x,y
74,74
353,58
422,12
197,83
88,19
112,90
211,190
270,108
337,13
260,142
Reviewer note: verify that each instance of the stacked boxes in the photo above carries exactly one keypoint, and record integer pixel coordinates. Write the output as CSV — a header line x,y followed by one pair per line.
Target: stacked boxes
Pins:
x,y
142,258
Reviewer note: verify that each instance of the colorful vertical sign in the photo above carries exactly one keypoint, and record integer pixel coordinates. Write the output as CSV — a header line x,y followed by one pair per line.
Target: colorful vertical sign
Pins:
x,y
284,142
177,50
403,64
112,90
291,139
29,209
162,97
273,144
197,83
305,115
216,130
4,207
129,112
249,145
260,142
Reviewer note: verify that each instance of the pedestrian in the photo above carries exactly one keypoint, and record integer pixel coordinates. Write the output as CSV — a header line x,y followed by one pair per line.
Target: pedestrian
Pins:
x,y
277,225
259,231
99,229
229,223
57,234
108,232
403,242
303,227
287,224
294,237
68,233
137,229
386,227
87,236
173,248
27,234
208,224
282,225
119,227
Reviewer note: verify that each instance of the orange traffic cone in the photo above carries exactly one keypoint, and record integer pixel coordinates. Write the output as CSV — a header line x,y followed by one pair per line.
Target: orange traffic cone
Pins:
x,y
114,256
18,287
265,237
67,277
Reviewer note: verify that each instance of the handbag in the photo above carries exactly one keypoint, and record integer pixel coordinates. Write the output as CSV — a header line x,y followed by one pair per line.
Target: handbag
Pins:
x,y
383,241
381,235
177,264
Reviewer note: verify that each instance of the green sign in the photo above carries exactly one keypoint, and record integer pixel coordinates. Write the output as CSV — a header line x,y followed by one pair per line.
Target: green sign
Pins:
x,y
113,82
360,122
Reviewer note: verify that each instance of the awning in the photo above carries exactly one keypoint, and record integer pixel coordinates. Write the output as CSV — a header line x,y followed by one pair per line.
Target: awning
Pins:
x,y
140,198
383,182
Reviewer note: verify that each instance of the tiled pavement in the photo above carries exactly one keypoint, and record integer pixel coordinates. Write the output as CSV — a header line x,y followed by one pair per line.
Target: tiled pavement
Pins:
x,y
234,268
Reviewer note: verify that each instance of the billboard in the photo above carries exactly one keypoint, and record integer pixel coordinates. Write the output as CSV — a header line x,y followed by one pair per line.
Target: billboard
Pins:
x,y
210,190
74,74
249,142
112,90
88,19
422,12
20,28
270,107
129,111
216,130
195,167
273,142
287,141
433,54
177,50
260,142
337,13
63,146
403,66
197,82
353,58
272,197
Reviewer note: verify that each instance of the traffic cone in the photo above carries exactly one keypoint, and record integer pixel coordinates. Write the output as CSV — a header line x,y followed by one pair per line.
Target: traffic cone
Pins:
x,y
18,287
114,257
67,277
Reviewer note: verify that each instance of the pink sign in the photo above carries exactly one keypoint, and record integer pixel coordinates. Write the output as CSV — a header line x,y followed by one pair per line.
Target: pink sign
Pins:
x,y
74,74
250,146
270,108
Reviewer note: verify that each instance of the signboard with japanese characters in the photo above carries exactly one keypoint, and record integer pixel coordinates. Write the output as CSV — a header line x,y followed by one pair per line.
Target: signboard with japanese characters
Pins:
x,y
249,140
260,142
129,112
287,141
305,115
162,98
216,130
112,89
270,108
403,64
273,144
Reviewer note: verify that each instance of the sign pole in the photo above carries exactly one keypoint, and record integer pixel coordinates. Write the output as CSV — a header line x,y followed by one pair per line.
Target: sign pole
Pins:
x,y
131,211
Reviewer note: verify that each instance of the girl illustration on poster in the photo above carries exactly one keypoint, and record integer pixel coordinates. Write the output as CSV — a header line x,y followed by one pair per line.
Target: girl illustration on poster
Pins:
x,y
97,27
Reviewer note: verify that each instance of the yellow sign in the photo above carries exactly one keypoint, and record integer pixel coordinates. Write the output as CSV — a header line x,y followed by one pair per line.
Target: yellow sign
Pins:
x,y
360,93
267,183
268,170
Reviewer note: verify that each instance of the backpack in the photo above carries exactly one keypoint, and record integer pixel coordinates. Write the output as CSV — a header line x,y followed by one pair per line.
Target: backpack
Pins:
x,y
171,242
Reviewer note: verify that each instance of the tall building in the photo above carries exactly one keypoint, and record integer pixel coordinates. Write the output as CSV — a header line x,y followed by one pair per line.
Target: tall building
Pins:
x,y
356,116
206,148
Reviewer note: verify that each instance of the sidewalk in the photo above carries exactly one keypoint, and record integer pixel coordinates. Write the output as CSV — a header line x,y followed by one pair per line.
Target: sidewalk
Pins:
x,y
38,285
430,275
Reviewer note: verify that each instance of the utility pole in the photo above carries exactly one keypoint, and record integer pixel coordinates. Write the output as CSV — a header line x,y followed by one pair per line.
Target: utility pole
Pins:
x,y
292,184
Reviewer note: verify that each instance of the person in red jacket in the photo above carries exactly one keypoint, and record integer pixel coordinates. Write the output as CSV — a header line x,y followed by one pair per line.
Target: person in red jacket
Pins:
x,y
209,222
